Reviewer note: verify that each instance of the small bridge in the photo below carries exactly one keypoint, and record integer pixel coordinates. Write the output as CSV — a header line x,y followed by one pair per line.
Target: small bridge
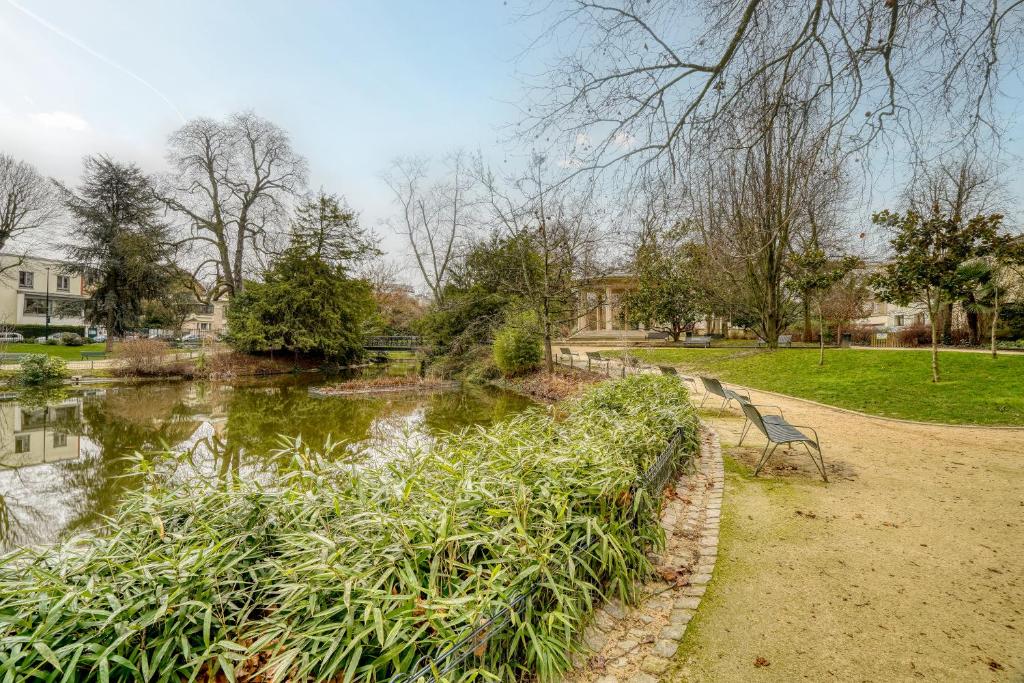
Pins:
x,y
399,343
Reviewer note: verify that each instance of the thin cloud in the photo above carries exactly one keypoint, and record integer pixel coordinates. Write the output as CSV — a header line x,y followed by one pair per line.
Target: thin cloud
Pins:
x,y
103,58
60,119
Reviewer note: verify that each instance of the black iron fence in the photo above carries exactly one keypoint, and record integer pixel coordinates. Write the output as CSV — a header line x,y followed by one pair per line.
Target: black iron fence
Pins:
x,y
678,453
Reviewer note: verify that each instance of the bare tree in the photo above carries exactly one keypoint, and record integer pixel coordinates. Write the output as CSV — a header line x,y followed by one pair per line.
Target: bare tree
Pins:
x,y
435,216
559,231
640,78
27,200
233,182
756,196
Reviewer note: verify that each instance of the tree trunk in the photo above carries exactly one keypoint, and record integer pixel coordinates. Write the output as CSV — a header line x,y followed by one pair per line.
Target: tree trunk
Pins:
x,y
807,319
974,325
549,359
935,345
821,338
110,331
947,324
995,320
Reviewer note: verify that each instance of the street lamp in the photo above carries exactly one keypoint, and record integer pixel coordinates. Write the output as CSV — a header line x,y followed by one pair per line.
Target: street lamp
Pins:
x,y
46,332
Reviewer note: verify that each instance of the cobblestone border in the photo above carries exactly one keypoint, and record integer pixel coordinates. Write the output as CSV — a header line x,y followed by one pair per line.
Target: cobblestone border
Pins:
x,y
638,644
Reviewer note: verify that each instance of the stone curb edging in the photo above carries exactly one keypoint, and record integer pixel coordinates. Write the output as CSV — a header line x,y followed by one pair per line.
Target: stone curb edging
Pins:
x,y
638,644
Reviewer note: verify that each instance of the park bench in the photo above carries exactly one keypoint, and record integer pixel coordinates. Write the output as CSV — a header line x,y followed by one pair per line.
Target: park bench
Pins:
x,y
701,342
596,357
13,357
93,356
713,387
785,340
777,431
565,352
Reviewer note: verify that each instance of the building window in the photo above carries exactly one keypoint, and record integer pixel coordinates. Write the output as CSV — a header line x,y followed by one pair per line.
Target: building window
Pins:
x,y
899,321
22,443
60,439
63,283
204,327
65,308
25,278
35,305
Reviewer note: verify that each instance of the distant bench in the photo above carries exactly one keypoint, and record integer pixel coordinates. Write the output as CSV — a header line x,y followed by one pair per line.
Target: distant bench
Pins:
x,y
93,356
703,342
13,357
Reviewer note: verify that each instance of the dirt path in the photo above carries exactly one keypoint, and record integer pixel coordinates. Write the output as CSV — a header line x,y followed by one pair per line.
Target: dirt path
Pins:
x,y
908,566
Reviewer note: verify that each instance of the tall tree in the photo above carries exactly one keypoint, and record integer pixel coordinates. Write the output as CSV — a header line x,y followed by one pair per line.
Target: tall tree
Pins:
x,y
27,200
232,184
926,260
434,216
122,242
814,274
327,228
305,305
668,296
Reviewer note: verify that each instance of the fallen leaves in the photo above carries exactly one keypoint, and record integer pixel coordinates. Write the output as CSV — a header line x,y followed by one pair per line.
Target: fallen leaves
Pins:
x,y
761,662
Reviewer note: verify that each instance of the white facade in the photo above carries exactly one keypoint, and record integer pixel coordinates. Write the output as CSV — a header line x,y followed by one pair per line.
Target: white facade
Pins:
x,y
28,284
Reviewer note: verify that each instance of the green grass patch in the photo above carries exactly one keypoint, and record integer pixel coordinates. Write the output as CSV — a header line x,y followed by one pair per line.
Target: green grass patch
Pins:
x,y
69,353
338,572
975,388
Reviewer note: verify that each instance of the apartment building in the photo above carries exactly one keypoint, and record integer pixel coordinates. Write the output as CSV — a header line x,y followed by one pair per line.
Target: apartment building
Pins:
x,y
28,285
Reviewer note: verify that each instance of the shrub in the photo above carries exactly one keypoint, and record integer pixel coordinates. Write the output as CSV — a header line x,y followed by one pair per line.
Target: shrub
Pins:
x,y
53,341
918,334
39,369
143,357
517,346
71,339
364,570
33,331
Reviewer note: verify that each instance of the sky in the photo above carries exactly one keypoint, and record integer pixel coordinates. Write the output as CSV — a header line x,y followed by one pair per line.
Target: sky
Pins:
x,y
354,84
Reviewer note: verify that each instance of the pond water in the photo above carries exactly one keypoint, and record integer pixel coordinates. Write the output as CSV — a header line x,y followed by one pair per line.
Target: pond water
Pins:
x,y
63,456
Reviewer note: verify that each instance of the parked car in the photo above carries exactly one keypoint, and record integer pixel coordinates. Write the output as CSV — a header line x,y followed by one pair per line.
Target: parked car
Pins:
x,y
190,338
56,337
11,337
98,339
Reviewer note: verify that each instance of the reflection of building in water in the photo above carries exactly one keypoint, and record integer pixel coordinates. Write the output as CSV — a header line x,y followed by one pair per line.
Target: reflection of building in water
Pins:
x,y
36,435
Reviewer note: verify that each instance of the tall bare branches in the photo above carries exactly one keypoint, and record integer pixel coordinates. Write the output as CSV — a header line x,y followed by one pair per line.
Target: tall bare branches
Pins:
x,y
435,216
641,79
27,200
233,183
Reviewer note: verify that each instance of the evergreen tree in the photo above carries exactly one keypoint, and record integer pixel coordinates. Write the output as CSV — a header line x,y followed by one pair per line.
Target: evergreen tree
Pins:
x,y
122,249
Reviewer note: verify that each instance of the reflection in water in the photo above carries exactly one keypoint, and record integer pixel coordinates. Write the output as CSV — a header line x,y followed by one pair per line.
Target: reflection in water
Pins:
x,y
64,457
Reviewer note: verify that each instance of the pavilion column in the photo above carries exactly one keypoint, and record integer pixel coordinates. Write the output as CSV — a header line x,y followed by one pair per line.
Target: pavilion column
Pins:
x,y
608,308
581,312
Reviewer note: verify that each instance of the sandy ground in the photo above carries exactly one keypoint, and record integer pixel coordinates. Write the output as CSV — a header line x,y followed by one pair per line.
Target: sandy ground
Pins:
x,y
909,565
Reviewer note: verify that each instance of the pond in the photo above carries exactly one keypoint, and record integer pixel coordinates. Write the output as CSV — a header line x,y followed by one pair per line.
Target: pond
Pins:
x,y
64,457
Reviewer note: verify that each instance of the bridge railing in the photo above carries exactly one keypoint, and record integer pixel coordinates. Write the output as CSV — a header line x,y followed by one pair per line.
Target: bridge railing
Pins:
x,y
393,342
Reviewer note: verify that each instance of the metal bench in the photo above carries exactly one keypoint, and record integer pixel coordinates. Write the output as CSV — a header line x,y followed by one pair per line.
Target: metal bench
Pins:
x,y
595,357
94,355
713,387
785,340
777,431
566,352
701,342
13,357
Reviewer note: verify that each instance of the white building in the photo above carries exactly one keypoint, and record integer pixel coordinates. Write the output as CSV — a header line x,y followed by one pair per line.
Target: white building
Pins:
x,y
28,284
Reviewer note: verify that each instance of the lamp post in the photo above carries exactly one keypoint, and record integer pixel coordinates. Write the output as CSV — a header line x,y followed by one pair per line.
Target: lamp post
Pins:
x,y
46,332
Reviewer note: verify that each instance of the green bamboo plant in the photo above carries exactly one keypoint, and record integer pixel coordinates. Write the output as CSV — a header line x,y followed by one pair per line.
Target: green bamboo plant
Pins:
x,y
341,571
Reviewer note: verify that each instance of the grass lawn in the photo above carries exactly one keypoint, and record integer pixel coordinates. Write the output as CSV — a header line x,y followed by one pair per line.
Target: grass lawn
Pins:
x,y
65,352
975,389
